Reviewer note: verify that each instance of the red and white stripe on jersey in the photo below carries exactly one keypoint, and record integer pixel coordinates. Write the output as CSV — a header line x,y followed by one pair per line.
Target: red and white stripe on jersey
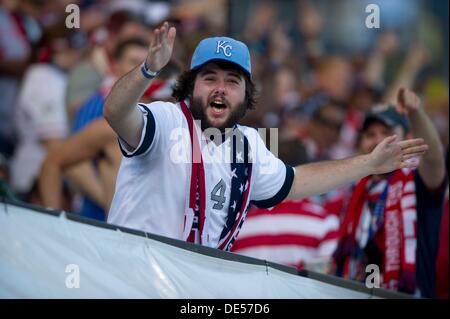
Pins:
x,y
292,233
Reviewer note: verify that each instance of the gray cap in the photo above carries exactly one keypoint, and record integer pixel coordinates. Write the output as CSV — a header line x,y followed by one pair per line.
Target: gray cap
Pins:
x,y
388,115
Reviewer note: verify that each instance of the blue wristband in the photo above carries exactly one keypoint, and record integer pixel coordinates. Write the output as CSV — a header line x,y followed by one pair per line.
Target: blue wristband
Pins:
x,y
147,73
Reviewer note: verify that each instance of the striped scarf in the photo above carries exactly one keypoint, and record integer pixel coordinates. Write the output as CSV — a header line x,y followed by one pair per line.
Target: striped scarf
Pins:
x,y
390,225
195,214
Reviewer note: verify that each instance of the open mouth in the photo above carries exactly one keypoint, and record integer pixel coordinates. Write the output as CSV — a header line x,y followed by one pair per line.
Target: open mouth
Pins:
x,y
218,106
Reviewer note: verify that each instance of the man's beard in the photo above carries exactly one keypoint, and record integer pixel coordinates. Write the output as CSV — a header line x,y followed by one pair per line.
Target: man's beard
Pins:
x,y
198,110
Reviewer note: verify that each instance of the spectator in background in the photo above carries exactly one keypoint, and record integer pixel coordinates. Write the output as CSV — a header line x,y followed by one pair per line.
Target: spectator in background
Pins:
x,y
333,77
370,86
126,56
284,98
393,220
310,24
96,141
40,118
313,137
322,131
20,31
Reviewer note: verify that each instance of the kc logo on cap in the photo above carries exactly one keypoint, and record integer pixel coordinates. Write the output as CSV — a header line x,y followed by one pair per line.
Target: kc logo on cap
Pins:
x,y
225,47
222,49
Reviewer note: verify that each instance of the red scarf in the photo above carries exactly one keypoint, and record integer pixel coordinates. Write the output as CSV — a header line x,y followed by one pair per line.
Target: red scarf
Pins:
x,y
396,237
197,194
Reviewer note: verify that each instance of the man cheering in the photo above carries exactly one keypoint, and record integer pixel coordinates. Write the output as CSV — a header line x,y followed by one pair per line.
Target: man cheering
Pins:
x,y
199,190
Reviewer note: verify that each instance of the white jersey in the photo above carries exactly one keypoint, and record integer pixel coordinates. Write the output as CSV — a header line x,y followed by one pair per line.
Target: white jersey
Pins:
x,y
40,115
153,181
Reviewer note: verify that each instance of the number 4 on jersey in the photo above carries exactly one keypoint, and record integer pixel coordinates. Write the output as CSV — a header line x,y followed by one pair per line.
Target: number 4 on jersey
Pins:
x,y
217,195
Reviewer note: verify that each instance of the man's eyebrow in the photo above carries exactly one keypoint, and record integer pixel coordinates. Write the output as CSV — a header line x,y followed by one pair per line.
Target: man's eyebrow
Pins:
x,y
235,74
206,72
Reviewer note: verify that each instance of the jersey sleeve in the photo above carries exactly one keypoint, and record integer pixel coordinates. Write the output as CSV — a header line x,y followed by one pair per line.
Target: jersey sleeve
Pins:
x,y
272,179
160,118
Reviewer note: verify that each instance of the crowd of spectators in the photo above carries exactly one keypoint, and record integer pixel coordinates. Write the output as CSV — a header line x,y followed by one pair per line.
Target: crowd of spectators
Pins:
x,y
54,79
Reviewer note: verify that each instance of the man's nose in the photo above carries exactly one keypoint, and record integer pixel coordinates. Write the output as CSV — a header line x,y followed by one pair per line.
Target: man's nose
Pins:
x,y
220,87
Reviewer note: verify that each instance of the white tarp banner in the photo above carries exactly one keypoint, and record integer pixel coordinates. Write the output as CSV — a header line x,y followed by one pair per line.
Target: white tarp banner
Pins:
x,y
44,256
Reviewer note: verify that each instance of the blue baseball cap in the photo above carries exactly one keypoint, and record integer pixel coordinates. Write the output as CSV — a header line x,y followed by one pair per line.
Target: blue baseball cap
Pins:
x,y
388,115
224,49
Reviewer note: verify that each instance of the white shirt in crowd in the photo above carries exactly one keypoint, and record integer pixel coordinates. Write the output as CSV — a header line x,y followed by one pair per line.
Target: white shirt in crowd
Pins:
x,y
40,115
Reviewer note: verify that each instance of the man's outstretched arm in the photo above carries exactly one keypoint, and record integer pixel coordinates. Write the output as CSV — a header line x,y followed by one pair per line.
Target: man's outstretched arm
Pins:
x,y
120,105
318,178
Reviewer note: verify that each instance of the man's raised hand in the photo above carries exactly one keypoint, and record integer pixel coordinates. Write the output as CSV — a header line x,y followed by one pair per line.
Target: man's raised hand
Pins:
x,y
161,47
407,101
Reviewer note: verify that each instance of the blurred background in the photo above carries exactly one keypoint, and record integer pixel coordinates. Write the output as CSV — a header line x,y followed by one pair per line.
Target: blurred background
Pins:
x,y
316,65
303,52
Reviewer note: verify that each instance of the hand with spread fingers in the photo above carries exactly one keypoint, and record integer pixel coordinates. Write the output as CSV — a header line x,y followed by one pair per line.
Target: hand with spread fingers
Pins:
x,y
392,154
161,47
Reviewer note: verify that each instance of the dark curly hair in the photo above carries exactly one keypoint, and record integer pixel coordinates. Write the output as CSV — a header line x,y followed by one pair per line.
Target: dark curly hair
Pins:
x,y
185,85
